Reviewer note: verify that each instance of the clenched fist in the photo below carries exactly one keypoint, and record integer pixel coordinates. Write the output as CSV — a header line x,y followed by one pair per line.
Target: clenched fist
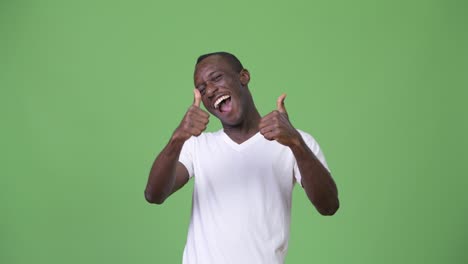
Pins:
x,y
194,121
276,125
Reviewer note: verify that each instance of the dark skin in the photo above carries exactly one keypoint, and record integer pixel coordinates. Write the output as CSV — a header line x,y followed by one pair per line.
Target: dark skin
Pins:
x,y
215,76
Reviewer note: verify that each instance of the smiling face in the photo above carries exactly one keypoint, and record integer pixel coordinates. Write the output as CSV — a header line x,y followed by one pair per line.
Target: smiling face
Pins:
x,y
224,90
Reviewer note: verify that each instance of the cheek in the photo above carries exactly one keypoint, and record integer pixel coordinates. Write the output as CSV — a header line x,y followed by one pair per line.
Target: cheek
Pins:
x,y
228,82
206,104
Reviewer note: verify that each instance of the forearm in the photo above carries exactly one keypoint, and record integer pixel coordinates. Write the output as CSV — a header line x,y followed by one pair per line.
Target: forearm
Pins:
x,y
162,176
316,179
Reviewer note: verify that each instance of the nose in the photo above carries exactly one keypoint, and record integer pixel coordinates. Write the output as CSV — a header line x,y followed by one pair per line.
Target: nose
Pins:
x,y
210,89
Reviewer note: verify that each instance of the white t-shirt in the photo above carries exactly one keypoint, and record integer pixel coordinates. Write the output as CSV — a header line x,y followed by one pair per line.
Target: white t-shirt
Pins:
x,y
241,205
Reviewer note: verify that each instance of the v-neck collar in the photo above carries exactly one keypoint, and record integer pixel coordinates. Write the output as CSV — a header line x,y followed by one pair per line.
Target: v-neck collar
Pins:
x,y
243,145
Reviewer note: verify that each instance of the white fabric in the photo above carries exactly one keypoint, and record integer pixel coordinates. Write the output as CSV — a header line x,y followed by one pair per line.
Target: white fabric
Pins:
x,y
241,204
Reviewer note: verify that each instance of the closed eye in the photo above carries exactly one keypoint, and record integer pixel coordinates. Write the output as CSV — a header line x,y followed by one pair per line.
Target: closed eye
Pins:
x,y
202,89
217,78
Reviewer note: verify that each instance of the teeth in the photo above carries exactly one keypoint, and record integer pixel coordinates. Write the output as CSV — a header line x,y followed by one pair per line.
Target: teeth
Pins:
x,y
222,98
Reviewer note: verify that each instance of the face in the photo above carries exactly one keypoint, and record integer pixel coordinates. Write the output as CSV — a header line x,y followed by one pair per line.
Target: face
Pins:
x,y
224,91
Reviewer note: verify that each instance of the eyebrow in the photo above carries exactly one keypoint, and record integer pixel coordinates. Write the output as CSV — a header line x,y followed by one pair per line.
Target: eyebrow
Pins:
x,y
209,76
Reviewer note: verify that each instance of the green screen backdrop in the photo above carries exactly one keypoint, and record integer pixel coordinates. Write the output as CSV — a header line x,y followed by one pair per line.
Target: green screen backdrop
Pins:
x,y
91,91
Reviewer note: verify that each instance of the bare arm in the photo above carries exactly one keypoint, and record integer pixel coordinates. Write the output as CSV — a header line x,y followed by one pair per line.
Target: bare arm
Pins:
x,y
317,181
167,174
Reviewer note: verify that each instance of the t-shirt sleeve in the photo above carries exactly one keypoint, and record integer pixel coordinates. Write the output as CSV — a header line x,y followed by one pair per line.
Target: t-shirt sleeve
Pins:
x,y
187,154
315,148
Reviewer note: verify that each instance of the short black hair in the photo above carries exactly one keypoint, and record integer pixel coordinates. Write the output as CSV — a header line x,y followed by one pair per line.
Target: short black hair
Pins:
x,y
233,60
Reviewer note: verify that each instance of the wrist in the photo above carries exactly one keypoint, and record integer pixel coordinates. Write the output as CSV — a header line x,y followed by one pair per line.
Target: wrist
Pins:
x,y
177,139
297,143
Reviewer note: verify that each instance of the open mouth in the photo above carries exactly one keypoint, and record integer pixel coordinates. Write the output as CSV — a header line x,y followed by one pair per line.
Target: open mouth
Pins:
x,y
223,103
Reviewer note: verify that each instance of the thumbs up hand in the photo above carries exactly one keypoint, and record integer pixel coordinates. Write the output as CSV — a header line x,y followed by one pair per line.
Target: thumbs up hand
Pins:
x,y
276,125
194,121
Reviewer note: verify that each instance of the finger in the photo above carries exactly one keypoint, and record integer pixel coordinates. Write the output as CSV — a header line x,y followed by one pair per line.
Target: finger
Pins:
x,y
269,117
196,111
200,127
267,129
265,123
274,117
194,127
202,113
197,129
194,120
197,97
280,104
270,136
196,132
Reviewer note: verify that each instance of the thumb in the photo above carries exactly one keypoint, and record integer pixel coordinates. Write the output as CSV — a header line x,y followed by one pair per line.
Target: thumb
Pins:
x,y
280,104
196,98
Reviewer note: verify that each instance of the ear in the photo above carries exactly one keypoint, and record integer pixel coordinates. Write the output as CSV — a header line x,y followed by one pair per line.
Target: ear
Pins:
x,y
244,77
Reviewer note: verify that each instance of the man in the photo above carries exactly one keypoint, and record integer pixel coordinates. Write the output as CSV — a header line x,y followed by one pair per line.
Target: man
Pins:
x,y
244,174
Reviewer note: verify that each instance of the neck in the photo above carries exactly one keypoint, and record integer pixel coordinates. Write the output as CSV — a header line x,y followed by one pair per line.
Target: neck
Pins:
x,y
247,128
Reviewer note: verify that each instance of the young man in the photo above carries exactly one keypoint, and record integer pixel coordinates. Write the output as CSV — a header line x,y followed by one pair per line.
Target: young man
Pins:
x,y
244,174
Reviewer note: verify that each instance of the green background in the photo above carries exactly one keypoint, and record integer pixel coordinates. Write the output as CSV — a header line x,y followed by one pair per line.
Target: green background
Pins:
x,y
92,90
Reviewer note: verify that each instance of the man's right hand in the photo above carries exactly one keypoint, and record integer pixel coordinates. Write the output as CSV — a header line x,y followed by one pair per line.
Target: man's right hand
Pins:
x,y
194,121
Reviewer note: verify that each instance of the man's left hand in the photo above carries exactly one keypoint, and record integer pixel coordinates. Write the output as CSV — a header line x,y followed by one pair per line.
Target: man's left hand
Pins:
x,y
276,126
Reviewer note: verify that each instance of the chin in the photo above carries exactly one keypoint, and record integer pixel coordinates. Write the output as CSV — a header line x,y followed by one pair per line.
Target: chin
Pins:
x,y
232,122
